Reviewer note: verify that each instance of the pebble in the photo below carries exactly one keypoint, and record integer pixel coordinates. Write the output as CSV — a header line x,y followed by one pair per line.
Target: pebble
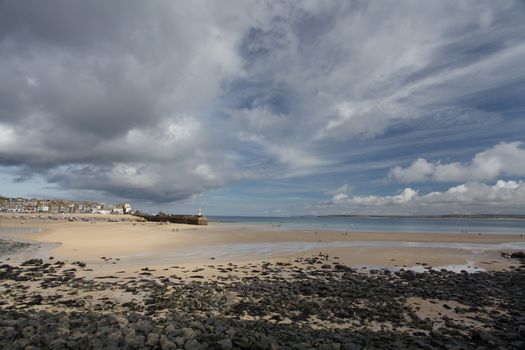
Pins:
x,y
225,344
273,308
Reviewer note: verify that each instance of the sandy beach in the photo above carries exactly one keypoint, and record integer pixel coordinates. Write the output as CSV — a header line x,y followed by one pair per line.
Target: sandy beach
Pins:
x,y
137,244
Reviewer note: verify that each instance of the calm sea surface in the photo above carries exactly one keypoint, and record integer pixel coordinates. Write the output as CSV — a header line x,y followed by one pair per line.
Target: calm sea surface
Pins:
x,y
380,224
350,224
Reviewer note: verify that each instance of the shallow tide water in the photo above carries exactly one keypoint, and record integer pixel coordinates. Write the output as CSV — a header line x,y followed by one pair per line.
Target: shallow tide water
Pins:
x,y
381,224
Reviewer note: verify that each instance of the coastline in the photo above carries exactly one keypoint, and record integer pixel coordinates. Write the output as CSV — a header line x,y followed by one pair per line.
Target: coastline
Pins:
x,y
137,244
129,284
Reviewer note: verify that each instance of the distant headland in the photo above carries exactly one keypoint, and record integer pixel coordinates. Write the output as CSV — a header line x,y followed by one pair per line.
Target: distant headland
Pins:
x,y
444,216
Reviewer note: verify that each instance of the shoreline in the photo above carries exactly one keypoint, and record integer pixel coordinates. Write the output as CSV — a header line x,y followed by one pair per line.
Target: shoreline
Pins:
x,y
160,245
127,284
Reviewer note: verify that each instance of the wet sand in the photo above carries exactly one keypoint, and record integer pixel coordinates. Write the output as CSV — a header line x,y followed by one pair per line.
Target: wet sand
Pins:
x,y
130,244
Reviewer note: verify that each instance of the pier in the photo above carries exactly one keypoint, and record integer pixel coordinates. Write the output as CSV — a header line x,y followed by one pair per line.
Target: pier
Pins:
x,y
177,219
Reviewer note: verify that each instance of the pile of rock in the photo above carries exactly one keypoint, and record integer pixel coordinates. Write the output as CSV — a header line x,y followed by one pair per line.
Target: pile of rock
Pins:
x,y
316,303
8,247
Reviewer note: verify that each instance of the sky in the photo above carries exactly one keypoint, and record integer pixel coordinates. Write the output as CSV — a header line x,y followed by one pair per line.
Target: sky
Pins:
x,y
266,108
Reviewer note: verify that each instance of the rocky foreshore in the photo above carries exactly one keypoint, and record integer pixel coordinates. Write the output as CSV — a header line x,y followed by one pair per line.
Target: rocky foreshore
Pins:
x,y
310,303
8,247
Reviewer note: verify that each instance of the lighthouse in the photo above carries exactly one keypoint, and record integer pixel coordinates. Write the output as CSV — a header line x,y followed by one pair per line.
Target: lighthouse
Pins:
x,y
201,219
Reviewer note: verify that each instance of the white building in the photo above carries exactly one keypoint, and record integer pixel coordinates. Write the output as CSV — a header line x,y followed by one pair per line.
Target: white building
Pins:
x,y
43,209
127,208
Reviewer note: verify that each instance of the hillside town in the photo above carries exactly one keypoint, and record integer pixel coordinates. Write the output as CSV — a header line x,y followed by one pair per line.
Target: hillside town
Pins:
x,y
59,206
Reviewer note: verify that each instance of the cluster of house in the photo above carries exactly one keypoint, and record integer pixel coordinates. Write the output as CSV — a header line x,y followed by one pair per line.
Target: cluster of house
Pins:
x,y
52,206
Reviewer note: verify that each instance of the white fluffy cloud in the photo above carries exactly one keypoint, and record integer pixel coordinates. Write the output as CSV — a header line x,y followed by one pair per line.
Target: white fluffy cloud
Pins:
x,y
403,198
340,195
504,159
471,197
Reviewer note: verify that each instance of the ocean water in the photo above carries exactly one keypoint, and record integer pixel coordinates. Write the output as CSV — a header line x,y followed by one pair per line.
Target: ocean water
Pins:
x,y
382,224
284,248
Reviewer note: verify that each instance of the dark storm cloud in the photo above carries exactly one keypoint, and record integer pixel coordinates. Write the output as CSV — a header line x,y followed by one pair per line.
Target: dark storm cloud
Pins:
x,y
89,86
83,66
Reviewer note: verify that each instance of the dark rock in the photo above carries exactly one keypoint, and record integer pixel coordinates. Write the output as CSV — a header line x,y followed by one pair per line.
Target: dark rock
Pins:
x,y
518,255
119,319
347,275
153,339
483,337
255,313
135,341
180,341
329,347
350,346
166,344
57,344
225,344
7,333
196,325
521,332
191,344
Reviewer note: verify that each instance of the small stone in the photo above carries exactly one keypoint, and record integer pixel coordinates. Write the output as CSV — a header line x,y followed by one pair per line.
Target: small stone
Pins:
x,y
350,346
225,344
187,333
57,344
145,326
116,318
153,338
63,332
71,344
135,341
166,344
191,344
113,338
347,275
170,329
333,346
518,255
179,341
484,337
521,332
28,331
7,333
196,325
